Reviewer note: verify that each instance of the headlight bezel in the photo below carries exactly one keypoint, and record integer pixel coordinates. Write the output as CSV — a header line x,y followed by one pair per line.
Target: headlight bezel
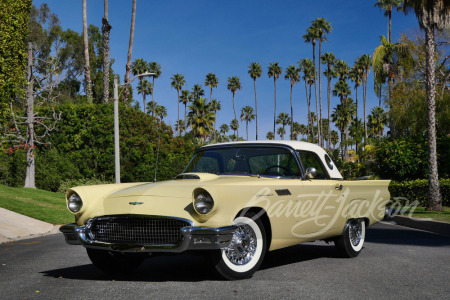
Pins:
x,y
203,202
74,203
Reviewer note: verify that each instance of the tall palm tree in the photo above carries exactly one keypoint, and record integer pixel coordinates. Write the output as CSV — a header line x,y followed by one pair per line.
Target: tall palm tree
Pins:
x,y
296,130
234,84
303,130
201,118
247,115
342,69
234,125
130,51
323,27
270,135
312,34
329,59
87,67
274,71
180,126
161,112
377,121
197,91
355,132
334,138
145,88
342,90
215,106
432,14
185,98
293,74
281,132
140,66
365,62
106,28
342,116
355,76
154,67
312,118
212,81
388,6
151,108
306,66
178,83
283,119
255,71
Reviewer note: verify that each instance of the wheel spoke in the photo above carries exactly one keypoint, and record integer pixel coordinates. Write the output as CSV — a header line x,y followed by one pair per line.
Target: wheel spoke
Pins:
x,y
243,245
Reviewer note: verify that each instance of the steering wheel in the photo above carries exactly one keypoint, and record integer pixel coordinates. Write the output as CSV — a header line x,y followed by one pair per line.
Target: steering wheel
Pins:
x,y
268,172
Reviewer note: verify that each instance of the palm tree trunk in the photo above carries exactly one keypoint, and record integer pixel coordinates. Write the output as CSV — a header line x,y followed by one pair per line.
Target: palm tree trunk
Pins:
x,y
30,171
178,117
315,93
389,27
434,195
185,125
292,115
329,108
130,50
365,108
275,110
87,68
246,125
237,129
310,120
153,91
106,28
320,93
307,104
356,135
256,108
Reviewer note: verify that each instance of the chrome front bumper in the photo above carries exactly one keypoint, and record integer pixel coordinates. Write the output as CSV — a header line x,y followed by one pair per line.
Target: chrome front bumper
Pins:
x,y
194,238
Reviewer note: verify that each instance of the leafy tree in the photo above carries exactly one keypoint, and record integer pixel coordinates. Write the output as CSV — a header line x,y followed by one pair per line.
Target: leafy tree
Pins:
x,y
140,66
215,106
186,98
197,91
293,74
212,81
432,14
145,88
329,59
342,90
234,84
377,121
201,118
334,138
388,6
247,115
342,69
178,83
283,119
274,71
155,68
255,71
342,116
365,62
270,135
296,130
281,132
234,125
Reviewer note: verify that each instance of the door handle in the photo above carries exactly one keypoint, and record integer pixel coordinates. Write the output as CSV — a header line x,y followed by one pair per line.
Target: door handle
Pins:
x,y
339,187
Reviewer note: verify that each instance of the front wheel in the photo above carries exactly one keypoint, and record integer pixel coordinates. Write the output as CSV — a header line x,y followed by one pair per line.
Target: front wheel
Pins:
x,y
244,255
113,262
350,243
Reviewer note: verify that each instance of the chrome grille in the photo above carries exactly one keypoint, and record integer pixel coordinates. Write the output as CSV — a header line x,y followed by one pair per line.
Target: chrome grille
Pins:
x,y
137,230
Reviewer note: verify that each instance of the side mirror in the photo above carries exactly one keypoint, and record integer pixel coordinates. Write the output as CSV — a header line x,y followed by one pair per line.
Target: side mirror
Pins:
x,y
310,173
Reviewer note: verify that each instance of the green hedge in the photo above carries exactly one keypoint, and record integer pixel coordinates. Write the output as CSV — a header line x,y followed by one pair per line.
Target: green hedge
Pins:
x,y
418,190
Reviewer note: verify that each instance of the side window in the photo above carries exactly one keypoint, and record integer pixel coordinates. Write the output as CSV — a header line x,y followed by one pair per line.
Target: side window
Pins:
x,y
311,160
207,165
280,164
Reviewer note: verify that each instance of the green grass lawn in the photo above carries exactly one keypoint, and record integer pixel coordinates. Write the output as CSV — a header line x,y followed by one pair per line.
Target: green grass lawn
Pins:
x,y
39,204
420,212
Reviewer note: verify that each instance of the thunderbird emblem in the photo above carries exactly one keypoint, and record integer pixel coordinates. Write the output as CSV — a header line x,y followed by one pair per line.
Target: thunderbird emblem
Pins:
x,y
136,203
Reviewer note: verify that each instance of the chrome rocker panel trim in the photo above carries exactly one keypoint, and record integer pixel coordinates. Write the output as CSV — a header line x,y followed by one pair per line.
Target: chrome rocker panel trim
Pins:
x,y
194,238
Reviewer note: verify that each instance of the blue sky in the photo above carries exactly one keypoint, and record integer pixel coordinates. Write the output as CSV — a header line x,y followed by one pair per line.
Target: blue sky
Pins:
x,y
196,37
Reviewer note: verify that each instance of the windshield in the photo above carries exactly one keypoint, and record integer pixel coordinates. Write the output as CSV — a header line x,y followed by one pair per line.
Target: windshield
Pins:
x,y
270,161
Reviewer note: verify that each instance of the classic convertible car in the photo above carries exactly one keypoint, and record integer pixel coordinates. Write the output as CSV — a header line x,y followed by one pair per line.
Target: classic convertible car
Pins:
x,y
235,200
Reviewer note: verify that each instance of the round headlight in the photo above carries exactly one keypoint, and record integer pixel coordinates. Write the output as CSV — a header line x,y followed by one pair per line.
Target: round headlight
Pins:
x,y
74,203
203,203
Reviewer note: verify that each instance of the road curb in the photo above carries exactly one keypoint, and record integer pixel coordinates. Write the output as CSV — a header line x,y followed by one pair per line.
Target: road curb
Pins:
x,y
442,228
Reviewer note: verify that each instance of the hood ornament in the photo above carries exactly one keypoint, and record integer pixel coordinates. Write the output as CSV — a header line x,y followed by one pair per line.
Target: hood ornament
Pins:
x,y
135,203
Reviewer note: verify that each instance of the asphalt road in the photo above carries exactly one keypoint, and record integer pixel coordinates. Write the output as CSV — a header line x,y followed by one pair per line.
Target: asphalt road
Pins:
x,y
396,262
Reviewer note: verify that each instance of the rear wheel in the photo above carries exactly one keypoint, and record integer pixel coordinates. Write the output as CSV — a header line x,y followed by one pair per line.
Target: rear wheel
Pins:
x,y
350,243
113,262
246,252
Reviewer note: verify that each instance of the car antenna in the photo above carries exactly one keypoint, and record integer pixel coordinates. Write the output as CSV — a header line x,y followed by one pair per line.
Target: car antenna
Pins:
x,y
157,151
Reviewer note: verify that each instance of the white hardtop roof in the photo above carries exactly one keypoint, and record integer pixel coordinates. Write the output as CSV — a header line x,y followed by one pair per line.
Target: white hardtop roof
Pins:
x,y
297,145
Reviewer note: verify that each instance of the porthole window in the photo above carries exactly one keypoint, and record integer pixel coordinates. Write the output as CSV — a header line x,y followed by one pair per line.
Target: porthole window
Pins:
x,y
329,162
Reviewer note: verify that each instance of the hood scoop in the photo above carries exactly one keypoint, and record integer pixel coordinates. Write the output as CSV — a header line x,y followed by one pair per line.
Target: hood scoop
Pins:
x,y
187,176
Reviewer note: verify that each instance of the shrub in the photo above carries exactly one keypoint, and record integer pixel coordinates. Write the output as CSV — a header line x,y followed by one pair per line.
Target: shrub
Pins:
x,y
418,190
67,184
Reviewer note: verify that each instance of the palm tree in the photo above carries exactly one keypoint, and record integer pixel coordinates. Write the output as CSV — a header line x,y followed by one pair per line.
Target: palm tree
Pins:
x,y
106,28
201,118
293,74
255,71
329,59
322,26
283,119
130,51
296,130
234,84
312,34
247,115
388,6
140,66
355,76
197,91
215,106
274,71
151,108
155,68
234,125
334,138
355,132
185,98
281,132
224,128
342,69
87,67
270,135
303,130
180,126
306,65
342,116
177,83
377,121
432,14
342,90
212,81
145,88
161,112
365,62
312,118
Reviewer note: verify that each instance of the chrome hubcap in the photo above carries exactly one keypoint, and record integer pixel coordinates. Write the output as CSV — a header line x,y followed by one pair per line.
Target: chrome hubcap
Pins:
x,y
355,232
243,245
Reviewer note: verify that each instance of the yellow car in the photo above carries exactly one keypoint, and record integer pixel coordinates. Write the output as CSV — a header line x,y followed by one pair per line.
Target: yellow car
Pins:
x,y
237,200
